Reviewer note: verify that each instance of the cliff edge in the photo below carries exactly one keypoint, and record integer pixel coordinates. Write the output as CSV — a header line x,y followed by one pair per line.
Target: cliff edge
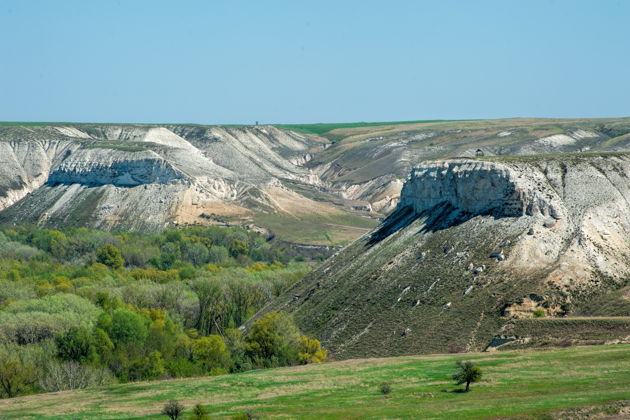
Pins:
x,y
472,244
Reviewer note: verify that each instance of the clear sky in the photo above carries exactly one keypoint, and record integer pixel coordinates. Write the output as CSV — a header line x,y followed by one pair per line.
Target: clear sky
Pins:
x,y
312,61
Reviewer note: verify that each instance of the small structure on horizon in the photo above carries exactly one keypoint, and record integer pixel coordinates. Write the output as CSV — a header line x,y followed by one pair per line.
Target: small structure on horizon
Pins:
x,y
479,152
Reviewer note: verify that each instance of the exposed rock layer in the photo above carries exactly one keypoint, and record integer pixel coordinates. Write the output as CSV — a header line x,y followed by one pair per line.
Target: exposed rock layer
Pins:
x,y
240,173
469,245
477,187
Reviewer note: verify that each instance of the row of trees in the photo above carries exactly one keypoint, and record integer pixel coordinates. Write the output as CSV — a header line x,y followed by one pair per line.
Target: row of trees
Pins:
x,y
191,246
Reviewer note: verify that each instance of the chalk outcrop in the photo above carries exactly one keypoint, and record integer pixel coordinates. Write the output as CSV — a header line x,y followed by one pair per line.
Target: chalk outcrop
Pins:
x,y
479,188
469,244
146,177
95,167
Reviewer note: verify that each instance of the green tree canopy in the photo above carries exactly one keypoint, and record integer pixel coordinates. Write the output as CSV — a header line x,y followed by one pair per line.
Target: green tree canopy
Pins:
x,y
212,353
274,338
76,344
127,326
110,256
467,374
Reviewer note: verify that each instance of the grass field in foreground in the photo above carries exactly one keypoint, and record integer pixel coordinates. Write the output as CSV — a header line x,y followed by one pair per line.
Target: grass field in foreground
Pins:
x,y
525,384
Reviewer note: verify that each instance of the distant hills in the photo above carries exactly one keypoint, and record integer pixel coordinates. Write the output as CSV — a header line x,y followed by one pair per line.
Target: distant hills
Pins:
x,y
314,183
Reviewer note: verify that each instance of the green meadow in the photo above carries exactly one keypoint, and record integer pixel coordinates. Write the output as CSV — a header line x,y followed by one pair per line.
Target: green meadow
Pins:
x,y
554,383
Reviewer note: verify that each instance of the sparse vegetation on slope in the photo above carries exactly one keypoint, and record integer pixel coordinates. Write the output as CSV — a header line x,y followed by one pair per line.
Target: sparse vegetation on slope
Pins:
x,y
324,129
473,244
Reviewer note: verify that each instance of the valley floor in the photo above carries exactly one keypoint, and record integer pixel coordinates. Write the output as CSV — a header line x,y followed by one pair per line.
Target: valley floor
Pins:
x,y
553,383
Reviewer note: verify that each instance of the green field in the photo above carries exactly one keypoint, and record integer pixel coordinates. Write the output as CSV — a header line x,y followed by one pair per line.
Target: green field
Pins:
x,y
322,128
555,383
338,229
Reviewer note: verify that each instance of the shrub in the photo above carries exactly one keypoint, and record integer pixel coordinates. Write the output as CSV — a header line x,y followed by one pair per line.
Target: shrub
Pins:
x,y
539,313
72,307
212,353
199,413
218,254
73,375
385,388
310,350
16,375
127,326
31,327
173,409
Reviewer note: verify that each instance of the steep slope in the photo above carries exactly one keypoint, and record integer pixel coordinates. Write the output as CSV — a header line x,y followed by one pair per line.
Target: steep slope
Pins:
x,y
322,187
150,177
472,244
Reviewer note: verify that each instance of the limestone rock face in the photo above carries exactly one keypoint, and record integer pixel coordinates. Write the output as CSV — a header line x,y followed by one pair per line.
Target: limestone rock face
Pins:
x,y
478,187
94,167
577,208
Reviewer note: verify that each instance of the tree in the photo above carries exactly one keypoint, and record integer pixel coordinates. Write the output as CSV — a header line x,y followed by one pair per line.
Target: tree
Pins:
x,y
467,374
239,248
211,295
110,256
273,340
154,366
76,344
127,327
196,253
173,409
212,353
310,350
16,376
244,295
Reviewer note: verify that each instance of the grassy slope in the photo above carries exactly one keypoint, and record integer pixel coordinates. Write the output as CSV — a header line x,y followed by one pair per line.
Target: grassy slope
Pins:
x,y
545,332
524,384
316,229
324,129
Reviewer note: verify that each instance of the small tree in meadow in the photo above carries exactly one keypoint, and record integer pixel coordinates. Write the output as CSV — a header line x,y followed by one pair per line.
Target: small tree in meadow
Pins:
x,y
467,374
173,409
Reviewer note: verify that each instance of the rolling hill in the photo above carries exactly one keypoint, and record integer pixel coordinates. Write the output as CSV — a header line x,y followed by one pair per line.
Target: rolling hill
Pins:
x,y
320,183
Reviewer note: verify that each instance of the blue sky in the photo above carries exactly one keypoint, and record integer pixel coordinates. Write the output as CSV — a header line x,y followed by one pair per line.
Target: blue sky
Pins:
x,y
312,61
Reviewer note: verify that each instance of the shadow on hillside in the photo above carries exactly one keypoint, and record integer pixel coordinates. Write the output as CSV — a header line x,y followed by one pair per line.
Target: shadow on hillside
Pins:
x,y
399,219
441,216
455,391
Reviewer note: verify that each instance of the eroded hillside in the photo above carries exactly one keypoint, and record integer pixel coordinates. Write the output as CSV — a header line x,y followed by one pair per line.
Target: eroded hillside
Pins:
x,y
148,178
472,244
323,186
